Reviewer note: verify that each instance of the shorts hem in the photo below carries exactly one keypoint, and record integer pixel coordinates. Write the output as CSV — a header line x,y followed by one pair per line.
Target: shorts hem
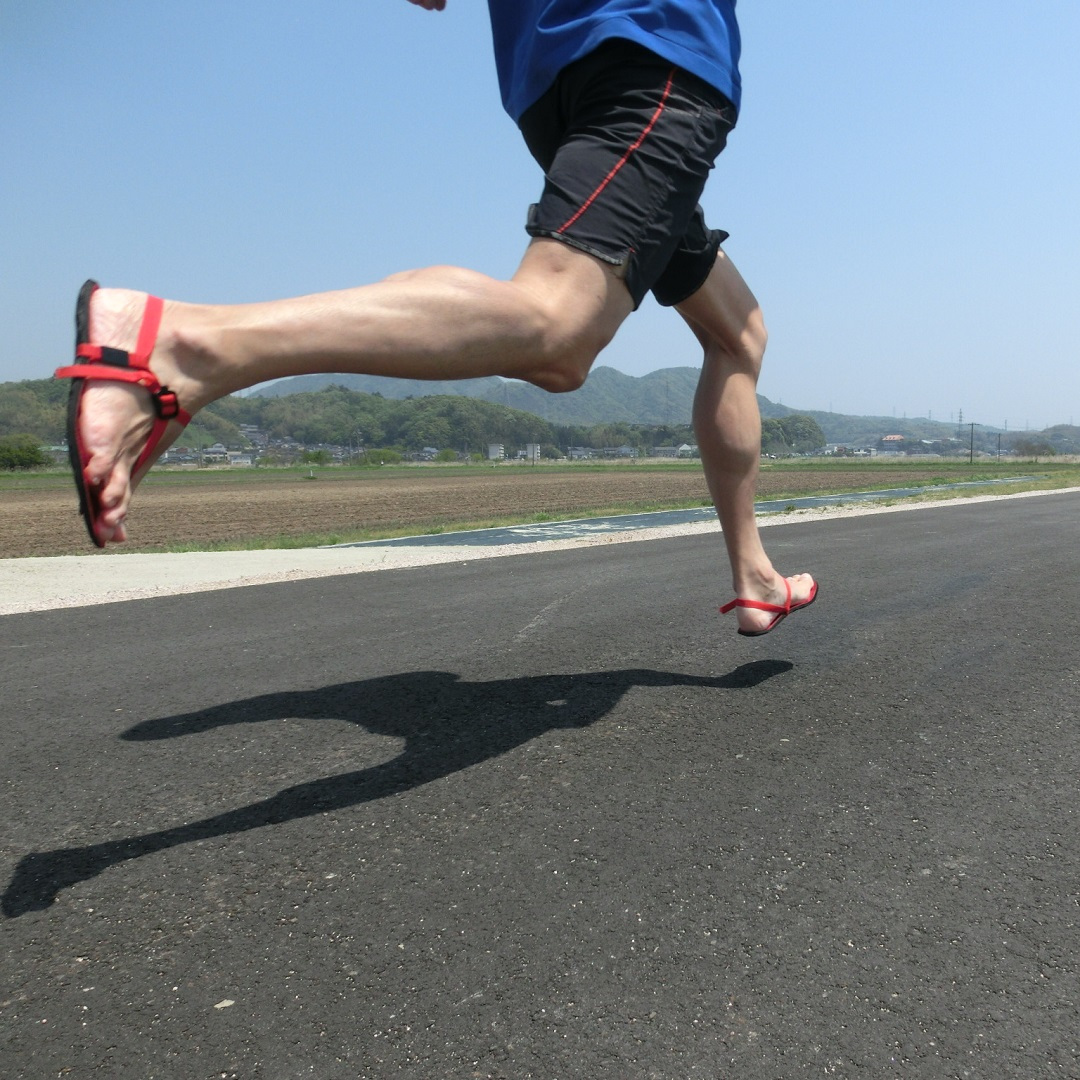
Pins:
x,y
536,231
674,297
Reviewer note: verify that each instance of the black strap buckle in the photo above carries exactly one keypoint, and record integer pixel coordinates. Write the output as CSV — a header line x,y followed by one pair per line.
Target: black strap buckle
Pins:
x,y
166,404
115,357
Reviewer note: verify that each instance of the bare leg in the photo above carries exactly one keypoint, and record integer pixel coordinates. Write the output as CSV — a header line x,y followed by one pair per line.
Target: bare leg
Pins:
x,y
728,322
545,326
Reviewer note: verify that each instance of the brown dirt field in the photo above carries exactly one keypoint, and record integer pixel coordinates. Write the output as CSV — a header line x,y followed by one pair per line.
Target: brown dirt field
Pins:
x,y
36,523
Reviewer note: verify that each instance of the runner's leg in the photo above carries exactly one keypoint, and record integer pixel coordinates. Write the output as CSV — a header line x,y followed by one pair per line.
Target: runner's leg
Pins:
x,y
546,326
728,322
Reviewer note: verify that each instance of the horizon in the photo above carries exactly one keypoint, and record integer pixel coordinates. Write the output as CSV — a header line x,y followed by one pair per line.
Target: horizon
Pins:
x,y
953,420
904,215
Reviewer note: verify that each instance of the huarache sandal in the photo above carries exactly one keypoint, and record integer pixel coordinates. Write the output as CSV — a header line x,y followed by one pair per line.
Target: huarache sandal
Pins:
x,y
106,364
782,611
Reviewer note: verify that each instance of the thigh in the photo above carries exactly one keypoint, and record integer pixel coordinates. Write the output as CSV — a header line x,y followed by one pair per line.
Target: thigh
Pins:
x,y
724,312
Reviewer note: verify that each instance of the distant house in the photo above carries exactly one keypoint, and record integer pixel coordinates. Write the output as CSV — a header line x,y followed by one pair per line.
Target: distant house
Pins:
x,y
215,455
179,455
839,450
254,435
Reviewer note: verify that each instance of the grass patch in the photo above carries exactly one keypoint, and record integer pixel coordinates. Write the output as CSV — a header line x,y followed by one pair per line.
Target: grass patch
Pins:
x,y
59,476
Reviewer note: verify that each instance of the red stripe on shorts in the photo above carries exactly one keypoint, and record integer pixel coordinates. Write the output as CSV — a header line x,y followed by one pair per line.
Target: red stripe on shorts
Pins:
x,y
624,159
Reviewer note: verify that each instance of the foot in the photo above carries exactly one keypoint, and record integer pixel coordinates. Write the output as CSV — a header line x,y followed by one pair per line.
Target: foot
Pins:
x,y
116,418
754,621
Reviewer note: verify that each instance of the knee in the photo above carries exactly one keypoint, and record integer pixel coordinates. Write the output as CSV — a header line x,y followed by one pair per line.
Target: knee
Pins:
x,y
560,377
755,338
745,351
564,360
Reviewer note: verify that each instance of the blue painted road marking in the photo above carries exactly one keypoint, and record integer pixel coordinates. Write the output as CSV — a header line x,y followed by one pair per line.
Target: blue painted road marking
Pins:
x,y
582,527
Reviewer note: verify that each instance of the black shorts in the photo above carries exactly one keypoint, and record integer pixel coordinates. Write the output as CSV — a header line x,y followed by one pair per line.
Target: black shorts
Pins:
x,y
626,142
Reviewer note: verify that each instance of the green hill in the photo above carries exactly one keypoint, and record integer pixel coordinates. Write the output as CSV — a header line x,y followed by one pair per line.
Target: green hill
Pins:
x,y
611,409
608,397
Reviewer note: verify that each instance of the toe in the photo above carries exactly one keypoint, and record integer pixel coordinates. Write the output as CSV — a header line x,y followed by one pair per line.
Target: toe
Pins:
x,y
115,495
802,587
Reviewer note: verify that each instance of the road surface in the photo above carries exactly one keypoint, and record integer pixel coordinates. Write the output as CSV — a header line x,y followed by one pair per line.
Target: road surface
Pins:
x,y
549,817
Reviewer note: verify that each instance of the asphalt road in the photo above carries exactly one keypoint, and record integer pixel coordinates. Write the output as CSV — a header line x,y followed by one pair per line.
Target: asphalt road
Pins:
x,y
549,817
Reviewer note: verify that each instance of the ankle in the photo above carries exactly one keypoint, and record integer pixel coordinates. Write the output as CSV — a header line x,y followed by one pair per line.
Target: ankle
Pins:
x,y
755,580
191,347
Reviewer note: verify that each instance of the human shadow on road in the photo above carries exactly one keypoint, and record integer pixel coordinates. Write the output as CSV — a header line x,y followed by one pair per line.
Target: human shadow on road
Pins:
x,y
448,724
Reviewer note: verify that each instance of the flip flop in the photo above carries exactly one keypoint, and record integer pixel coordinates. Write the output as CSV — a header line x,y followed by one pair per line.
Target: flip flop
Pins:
x,y
782,610
104,364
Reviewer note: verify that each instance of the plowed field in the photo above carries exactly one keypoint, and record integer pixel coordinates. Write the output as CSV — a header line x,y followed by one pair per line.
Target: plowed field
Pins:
x,y
197,510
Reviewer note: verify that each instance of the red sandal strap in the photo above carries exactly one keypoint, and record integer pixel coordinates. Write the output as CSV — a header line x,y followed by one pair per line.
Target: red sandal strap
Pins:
x,y
150,450
758,605
761,605
106,371
166,403
148,332
119,365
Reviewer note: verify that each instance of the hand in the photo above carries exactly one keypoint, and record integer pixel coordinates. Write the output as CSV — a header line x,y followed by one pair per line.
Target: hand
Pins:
x,y
430,5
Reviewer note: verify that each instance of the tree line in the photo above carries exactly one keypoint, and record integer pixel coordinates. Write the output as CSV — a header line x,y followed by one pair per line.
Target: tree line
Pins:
x,y
33,413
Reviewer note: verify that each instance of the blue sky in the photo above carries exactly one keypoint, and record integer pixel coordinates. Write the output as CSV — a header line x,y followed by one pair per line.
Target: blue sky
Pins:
x,y
902,189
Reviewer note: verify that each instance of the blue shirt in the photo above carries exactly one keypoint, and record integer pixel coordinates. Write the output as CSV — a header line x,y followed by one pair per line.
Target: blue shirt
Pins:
x,y
535,39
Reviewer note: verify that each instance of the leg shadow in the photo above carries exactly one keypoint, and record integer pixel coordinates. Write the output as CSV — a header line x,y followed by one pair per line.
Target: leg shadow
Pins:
x,y
447,724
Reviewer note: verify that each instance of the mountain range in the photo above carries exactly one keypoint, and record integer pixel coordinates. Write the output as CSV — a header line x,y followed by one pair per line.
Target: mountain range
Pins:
x,y
664,398
609,396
